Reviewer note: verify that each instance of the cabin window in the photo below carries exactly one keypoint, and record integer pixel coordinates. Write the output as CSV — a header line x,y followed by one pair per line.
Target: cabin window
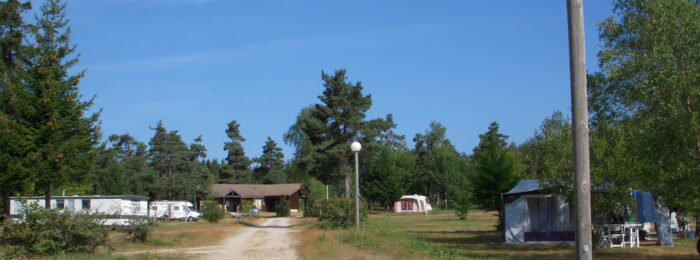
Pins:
x,y
60,204
86,204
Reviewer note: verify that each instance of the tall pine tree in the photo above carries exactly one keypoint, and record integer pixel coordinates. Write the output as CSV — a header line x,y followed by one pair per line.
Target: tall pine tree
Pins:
x,y
170,157
323,133
65,137
16,144
270,169
237,167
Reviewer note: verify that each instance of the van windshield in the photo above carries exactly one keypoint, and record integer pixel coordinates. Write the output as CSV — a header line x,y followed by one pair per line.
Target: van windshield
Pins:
x,y
192,209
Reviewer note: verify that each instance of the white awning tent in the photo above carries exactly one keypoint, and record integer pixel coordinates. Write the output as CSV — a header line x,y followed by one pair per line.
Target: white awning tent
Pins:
x,y
532,216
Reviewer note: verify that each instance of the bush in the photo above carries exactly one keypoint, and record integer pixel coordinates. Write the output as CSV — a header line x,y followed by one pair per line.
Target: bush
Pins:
x,y
138,229
315,191
339,212
211,212
41,232
283,208
247,206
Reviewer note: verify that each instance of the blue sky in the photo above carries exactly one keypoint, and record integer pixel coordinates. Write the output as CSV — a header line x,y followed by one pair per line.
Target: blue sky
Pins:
x,y
198,64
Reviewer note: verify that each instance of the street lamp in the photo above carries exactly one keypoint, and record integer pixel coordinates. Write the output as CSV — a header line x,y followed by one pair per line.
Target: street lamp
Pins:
x,y
355,147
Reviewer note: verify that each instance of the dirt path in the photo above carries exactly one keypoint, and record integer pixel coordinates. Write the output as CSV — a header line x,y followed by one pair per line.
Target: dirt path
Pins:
x,y
272,239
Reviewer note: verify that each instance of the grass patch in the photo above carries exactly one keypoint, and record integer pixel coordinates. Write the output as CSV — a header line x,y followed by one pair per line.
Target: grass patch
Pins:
x,y
443,236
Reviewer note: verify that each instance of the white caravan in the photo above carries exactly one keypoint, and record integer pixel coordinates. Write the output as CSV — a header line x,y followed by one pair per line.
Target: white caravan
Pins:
x,y
118,210
178,210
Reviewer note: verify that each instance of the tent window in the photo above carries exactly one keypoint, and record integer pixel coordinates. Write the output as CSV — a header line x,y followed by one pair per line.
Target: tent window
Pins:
x,y
543,213
406,205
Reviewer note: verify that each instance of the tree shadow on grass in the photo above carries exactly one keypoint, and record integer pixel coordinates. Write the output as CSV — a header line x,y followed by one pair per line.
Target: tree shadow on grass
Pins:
x,y
488,244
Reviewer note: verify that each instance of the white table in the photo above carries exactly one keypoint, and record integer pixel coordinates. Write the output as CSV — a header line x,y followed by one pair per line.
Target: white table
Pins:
x,y
633,233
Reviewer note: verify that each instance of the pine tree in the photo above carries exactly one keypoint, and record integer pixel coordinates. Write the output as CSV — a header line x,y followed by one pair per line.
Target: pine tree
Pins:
x,y
271,164
65,137
237,167
169,157
16,144
323,133
496,171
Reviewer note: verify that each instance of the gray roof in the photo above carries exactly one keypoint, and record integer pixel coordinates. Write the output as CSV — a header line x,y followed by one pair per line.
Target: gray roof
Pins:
x,y
255,190
525,186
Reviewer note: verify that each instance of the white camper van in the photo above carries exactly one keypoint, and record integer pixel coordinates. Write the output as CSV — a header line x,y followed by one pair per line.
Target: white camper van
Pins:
x,y
178,210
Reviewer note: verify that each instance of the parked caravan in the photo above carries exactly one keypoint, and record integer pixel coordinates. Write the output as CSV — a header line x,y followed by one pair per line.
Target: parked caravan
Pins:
x,y
177,210
118,210
412,203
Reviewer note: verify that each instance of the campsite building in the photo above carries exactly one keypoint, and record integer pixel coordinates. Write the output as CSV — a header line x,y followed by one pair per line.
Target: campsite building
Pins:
x,y
265,196
534,216
118,210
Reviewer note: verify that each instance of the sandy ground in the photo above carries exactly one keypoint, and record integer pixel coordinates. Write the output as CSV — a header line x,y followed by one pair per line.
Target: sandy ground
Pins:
x,y
272,239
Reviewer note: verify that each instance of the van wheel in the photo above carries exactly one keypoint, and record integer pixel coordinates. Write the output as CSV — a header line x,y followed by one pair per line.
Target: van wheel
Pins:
x,y
190,219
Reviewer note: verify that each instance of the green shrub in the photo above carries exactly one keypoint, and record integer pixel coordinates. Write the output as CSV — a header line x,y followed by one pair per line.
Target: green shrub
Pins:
x,y
247,206
211,212
315,191
40,232
283,208
138,229
339,212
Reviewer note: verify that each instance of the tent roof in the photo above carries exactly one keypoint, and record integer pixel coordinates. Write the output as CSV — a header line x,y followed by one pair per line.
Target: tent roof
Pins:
x,y
255,190
524,186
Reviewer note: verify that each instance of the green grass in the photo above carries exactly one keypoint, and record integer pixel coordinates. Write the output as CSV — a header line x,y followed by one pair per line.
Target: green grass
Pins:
x,y
443,236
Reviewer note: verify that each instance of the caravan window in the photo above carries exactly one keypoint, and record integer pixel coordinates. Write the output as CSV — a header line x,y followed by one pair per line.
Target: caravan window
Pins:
x,y
86,204
135,207
60,204
71,205
176,208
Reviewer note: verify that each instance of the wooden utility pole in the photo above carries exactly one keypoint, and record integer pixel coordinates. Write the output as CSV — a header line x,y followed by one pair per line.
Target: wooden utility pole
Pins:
x,y
579,107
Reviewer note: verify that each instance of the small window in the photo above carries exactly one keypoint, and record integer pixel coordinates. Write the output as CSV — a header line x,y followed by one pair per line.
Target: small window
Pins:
x,y
176,208
60,204
86,204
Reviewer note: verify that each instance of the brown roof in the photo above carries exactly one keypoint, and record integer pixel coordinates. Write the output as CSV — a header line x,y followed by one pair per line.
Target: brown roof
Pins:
x,y
255,190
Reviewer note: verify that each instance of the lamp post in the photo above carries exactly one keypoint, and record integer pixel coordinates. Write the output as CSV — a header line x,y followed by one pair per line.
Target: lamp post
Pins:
x,y
355,147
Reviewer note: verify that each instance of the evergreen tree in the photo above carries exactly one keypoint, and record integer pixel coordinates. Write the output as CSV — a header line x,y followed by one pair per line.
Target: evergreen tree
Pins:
x,y
170,157
323,132
390,176
271,164
237,167
122,168
437,162
495,171
65,137
16,144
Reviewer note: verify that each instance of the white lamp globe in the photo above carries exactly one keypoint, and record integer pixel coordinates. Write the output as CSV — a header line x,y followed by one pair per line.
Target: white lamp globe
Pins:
x,y
355,146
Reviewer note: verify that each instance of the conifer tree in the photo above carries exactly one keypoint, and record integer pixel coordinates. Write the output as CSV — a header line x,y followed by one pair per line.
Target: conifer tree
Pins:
x,y
271,164
237,168
65,136
496,171
169,157
16,144
323,132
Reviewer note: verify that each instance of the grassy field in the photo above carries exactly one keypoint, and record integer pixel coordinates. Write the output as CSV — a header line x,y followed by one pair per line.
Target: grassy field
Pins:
x,y
444,236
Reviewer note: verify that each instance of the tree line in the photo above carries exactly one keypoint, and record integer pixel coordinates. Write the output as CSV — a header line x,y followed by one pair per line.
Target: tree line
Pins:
x,y
643,103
